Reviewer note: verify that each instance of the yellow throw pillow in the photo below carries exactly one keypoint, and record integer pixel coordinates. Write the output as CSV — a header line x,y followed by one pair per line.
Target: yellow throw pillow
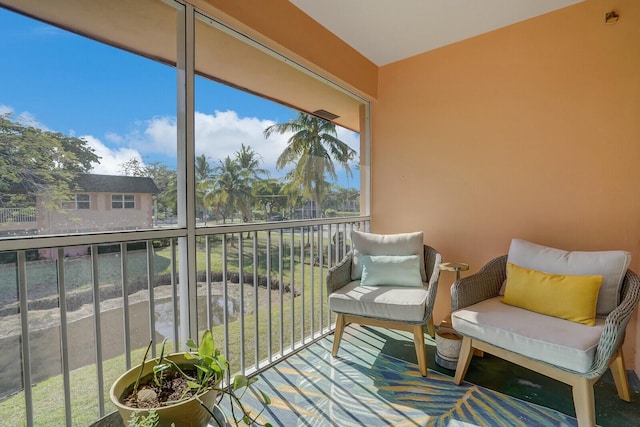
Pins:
x,y
569,297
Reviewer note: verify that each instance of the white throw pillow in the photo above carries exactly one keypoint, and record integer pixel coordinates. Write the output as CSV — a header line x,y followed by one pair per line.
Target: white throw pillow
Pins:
x,y
611,265
386,244
390,270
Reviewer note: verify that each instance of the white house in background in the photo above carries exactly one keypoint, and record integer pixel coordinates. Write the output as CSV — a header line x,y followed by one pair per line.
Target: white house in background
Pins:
x,y
100,203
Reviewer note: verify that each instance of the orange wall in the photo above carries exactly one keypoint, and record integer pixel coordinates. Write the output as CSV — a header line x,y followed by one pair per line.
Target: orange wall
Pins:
x,y
531,131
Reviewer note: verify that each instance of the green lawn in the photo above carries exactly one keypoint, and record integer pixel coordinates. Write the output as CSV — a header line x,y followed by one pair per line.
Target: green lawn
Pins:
x,y
42,275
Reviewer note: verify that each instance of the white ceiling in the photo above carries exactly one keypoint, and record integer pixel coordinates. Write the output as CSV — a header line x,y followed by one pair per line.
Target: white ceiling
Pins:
x,y
386,31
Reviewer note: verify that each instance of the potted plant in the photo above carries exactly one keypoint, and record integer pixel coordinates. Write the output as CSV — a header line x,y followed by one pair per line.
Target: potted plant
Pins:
x,y
182,389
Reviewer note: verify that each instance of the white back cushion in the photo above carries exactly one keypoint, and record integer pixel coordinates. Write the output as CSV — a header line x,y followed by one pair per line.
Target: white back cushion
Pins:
x,y
386,244
612,265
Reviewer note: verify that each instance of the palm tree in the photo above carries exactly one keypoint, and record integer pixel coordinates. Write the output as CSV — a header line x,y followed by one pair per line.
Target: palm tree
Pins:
x,y
249,161
229,188
203,169
203,172
295,199
313,148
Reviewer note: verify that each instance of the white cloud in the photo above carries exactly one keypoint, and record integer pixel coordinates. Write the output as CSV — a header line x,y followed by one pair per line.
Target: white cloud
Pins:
x,y
351,138
221,135
113,137
5,109
157,136
111,159
217,135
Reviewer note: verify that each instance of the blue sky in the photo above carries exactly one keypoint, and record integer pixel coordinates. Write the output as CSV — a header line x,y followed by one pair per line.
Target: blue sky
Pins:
x,y
123,104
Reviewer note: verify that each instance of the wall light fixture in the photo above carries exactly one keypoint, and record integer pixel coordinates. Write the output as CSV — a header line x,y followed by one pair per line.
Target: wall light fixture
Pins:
x,y
611,17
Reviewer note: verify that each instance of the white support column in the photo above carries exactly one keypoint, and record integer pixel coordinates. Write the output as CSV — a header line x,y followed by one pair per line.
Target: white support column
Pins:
x,y
186,177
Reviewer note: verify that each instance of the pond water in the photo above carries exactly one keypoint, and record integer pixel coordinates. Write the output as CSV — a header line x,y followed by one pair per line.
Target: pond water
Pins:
x,y
45,349
164,313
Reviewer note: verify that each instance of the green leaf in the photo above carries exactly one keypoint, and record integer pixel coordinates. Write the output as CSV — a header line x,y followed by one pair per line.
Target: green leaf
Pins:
x,y
191,344
204,369
265,397
239,381
221,361
193,384
207,347
160,368
161,358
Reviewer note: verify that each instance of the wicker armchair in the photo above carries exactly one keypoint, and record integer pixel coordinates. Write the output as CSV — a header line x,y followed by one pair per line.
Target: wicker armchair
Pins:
x,y
486,284
339,277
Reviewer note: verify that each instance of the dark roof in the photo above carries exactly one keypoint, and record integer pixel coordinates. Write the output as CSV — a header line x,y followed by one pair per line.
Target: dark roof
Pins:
x,y
115,184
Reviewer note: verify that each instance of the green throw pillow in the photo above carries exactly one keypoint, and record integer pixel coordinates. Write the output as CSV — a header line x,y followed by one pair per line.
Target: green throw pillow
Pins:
x,y
391,270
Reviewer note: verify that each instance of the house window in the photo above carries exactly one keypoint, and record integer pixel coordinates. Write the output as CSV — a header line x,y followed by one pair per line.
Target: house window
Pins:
x,y
123,201
79,201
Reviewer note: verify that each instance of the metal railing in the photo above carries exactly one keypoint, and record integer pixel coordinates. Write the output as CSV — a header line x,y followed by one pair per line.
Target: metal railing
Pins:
x,y
75,324
17,215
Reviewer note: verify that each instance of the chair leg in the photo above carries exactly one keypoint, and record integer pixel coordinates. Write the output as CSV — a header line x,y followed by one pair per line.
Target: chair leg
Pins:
x,y
431,329
620,376
464,359
584,402
337,335
421,352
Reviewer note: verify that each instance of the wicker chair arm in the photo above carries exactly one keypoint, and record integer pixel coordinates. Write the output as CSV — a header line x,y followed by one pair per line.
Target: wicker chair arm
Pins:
x,y
340,274
432,260
614,328
480,286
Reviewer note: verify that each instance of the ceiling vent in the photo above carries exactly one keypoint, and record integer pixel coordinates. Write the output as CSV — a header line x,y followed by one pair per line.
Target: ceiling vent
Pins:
x,y
324,114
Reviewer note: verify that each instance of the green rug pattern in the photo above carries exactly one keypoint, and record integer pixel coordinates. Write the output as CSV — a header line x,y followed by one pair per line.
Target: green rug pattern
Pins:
x,y
363,387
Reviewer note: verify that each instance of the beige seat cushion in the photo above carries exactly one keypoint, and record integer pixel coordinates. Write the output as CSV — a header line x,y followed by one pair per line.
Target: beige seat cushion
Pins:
x,y
560,342
385,302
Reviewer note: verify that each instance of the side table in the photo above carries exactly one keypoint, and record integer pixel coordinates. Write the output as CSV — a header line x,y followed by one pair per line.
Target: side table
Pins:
x,y
448,342
454,266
